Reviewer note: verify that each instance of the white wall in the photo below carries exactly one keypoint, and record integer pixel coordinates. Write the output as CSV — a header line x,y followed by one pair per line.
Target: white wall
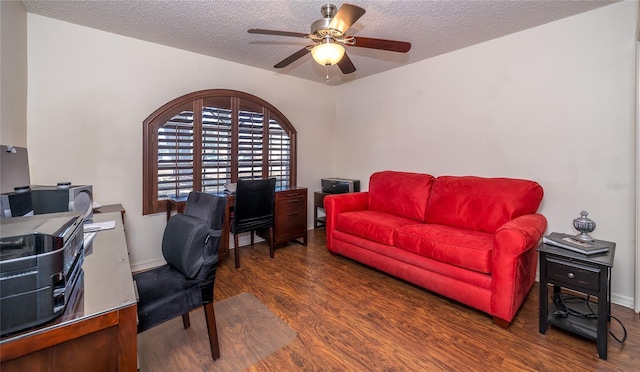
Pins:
x,y
13,74
89,92
554,104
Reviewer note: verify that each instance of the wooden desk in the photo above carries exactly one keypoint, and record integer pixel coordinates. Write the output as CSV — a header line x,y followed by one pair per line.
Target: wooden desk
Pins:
x,y
98,329
110,208
290,219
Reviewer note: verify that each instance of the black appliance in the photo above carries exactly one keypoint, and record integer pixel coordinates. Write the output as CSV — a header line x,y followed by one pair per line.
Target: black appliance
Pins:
x,y
40,262
30,200
339,185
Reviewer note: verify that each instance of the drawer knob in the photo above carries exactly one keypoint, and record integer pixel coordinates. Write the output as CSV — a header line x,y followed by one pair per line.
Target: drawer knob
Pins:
x,y
571,276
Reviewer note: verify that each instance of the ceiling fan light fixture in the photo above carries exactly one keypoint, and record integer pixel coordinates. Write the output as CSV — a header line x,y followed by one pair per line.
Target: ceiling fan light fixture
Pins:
x,y
327,53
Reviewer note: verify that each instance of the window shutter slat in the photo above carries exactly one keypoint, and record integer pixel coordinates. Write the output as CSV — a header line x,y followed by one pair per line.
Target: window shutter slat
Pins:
x,y
216,149
175,156
263,146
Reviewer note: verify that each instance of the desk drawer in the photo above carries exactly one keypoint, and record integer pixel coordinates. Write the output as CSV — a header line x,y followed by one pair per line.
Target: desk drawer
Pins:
x,y
573,274
287,206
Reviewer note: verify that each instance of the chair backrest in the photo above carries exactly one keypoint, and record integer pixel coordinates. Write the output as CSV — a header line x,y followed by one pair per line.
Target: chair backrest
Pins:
x,y
254,205
204,206
191,240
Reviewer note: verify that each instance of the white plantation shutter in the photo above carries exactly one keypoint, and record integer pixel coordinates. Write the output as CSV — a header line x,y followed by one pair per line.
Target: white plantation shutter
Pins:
x,y
175,156
279,154
250,150
206,139
216,149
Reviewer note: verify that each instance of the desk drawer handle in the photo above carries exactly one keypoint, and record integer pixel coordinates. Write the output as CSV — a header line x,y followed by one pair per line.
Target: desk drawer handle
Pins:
x,y
571,275
293,201
292,214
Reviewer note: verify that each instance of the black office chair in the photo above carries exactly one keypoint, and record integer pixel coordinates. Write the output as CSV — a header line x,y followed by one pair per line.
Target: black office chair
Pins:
x,y
190,247
254,209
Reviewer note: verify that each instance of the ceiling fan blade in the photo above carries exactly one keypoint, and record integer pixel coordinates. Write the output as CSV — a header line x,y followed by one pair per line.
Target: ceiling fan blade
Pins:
x,y
382,44
346,16
278,33
292,58
345,64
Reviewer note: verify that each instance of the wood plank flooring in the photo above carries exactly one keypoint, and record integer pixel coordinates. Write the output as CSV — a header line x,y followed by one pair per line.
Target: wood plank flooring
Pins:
x,y
349,317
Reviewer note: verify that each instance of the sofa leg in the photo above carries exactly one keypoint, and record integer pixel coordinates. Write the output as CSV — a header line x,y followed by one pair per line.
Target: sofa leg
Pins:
x,y
501,322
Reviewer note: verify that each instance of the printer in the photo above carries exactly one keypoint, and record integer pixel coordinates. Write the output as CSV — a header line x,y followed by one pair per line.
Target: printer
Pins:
x,y
41,260
339,185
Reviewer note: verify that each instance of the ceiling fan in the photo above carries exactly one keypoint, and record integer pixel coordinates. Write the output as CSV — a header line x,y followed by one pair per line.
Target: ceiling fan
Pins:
x,y
328,36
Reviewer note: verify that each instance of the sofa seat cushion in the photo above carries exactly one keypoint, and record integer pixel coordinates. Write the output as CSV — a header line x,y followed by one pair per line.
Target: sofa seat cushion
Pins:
x,y
405,265
372,225
460,247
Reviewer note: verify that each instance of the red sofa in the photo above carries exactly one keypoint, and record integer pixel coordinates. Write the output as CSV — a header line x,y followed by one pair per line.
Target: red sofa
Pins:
x,y
471,239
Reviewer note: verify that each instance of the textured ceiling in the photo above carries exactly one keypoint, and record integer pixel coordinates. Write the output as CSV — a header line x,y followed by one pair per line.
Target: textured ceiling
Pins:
x,y
218,28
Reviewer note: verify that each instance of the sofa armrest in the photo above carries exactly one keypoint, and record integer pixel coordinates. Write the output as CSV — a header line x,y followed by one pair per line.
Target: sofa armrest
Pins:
x,y
520,234
341,203
514,263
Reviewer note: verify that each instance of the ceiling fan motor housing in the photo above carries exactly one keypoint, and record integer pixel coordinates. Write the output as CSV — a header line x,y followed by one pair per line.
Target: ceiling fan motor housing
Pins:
x,y
321,26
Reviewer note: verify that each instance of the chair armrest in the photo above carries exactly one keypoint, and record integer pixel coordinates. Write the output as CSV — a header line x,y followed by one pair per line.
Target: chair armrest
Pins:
x,y
514,263
341,203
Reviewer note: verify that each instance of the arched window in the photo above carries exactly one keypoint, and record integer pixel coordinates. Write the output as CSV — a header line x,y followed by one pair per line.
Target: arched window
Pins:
x,y
205,139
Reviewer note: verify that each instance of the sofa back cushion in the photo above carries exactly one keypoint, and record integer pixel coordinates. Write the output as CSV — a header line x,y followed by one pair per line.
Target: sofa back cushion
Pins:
x,y
402,194
482,204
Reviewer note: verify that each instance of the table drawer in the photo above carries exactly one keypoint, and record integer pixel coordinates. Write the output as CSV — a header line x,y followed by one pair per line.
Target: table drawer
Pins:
x,y
290,206
292,226
573,273
288,194
291,201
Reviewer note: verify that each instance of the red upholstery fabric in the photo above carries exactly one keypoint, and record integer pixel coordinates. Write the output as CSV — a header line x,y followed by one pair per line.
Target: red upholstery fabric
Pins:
x,y
474,278
455,246
340,203
470,239
482,204
453,287
515,262
403,194
373,225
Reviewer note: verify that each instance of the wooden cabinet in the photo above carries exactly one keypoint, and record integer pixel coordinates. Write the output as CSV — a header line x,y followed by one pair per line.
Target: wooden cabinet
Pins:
x,y
291,216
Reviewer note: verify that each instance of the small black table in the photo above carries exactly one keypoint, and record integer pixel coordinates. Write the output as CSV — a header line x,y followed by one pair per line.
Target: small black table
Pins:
x,y
318,202
586,274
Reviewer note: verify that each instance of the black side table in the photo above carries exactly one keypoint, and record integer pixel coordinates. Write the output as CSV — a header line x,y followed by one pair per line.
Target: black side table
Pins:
x,y
318,202
586,274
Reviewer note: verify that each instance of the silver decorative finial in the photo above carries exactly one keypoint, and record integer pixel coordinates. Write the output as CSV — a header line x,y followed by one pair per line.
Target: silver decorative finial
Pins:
x,y
585,226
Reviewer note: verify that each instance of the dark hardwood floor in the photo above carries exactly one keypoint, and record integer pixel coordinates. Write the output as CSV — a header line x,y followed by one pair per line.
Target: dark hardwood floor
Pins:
x,y
351,317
